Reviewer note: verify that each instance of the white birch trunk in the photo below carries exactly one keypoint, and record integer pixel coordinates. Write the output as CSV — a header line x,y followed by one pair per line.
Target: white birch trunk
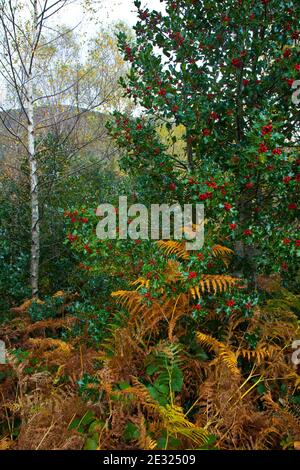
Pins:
x,y
35,223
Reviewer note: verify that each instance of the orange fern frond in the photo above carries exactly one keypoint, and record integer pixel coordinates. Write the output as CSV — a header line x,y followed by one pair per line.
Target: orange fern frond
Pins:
x,y
259,354
222,251
172,247
222,351
51,348
213,283
141,282
131,300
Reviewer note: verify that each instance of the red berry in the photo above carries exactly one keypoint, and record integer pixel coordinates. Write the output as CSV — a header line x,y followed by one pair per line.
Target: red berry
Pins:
x,y
192,275
162,92
287,53
284,266
236,62
262,148
287,179
266,129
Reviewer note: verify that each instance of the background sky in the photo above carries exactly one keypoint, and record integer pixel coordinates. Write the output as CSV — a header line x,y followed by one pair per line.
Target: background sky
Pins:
x,y
107,12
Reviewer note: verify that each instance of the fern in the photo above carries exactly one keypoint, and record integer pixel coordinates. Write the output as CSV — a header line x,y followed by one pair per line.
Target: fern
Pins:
x,y
172,417
220,250
140,283
129,299
213,283
222,351
165,363
176,424
259,354
172,247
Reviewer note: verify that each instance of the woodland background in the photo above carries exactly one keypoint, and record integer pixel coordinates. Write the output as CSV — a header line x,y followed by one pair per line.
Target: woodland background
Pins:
x,y
141,344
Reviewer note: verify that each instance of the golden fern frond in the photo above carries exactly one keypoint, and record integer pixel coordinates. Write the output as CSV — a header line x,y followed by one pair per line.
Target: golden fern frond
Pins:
x,y
176,423
213,283
51,347
52,323
145,442
172,247
141,282
208,341
296,378
141,392
150,444
59,293
259,354
222,351
223,252
179,309
132,300
220,250
5,443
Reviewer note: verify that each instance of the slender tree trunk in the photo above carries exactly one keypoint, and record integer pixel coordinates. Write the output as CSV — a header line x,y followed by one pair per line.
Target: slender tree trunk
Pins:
x,y
34,197
35,224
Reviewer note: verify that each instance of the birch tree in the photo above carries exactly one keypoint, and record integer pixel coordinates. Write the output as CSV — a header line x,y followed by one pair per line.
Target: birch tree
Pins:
x,y
33,79
22,27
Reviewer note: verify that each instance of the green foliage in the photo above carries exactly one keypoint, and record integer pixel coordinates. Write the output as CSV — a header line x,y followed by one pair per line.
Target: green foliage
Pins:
x,y
49,309
164,368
